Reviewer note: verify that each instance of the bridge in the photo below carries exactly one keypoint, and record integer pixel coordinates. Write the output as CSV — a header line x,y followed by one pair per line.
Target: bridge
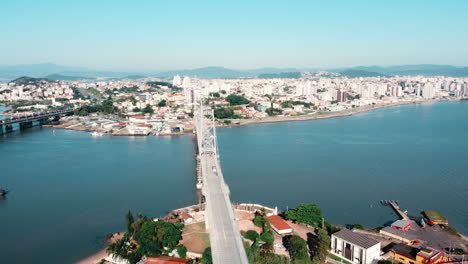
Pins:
x,y
26,121
225,240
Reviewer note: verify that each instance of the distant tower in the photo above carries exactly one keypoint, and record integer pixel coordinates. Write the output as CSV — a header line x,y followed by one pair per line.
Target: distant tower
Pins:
x,y
177,81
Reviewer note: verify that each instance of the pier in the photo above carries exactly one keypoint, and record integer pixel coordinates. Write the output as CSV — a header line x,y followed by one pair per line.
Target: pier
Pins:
x,y
398,210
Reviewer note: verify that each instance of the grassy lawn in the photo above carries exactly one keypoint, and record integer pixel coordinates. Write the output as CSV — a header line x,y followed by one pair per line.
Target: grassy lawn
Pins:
x,y
339,259
195,238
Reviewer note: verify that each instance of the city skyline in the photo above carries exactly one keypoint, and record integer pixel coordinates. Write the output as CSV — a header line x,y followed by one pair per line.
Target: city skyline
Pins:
x,y
186,35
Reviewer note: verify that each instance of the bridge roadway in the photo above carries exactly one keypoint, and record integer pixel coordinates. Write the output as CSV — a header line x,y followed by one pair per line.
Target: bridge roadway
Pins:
x,y
33,117
225,240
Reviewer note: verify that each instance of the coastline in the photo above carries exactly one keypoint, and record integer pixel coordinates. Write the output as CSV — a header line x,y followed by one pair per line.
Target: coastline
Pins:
x,y
274,119
326,115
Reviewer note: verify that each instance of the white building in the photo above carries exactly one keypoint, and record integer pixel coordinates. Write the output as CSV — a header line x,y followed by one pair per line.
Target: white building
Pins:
x,y
355,247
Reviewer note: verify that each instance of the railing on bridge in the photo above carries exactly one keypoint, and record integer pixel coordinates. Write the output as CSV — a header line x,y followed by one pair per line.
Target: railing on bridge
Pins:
x,y
26,120
226,243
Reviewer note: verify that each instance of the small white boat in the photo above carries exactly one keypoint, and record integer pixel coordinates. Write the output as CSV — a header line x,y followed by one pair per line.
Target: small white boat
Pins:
x,y
97,134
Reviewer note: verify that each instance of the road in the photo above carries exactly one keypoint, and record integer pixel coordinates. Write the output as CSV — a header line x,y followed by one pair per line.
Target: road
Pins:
x,y
225,240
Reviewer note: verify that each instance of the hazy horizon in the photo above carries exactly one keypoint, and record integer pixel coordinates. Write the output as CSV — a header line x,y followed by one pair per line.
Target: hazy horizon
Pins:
x,y
156,35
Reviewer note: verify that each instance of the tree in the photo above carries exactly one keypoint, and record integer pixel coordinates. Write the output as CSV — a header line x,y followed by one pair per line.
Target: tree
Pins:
x,y
182,251
148,109
162,103
268,237
136,109
252,235
222,113
259,220
358,226
130,221
147,239
273,111
297,247
206,257
306,213
324,245
237,100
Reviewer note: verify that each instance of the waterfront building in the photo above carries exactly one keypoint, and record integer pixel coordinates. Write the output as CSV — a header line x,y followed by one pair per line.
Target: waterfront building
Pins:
x,y
405,254
355,247
163,260
402,225
279,225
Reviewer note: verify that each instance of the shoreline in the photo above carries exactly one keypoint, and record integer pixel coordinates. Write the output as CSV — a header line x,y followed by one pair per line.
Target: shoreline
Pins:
x,y
277,119
327,115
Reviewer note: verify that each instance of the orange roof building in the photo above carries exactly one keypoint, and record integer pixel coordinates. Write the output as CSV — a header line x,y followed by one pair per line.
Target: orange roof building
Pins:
x,y
279,225
166,260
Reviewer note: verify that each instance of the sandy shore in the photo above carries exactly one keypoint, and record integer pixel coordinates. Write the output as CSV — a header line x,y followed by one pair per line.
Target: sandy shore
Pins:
x,y
97,257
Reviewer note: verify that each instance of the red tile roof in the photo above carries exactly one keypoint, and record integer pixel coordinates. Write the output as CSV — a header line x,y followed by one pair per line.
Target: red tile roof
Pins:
x,y
278,222
166,260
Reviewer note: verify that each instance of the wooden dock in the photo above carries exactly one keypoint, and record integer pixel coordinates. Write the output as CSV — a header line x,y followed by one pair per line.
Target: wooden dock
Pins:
x,y
397,209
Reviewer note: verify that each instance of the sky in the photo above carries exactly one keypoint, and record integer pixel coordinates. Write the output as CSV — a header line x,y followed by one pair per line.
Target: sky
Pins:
x,y
165,35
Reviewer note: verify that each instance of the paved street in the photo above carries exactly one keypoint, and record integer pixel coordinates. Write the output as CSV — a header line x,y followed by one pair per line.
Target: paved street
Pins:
x,y
225,240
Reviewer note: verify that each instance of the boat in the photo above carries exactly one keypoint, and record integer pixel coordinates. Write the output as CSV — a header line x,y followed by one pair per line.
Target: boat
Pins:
x,y
3,193
97,134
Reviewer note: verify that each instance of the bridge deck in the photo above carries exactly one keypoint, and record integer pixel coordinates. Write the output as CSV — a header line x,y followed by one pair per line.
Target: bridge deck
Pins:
x,y
225,240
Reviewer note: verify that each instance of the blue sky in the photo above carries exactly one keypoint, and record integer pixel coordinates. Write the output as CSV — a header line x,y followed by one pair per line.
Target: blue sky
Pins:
x,y
160,35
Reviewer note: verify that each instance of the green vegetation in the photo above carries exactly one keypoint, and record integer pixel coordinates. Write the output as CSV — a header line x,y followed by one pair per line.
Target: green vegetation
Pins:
x,y
283,75
297,247
259,221
351,98
237,100
262,246
358,226
251,234
273,111
216,95
306,213
206,258
162,103
222,113
321,90
436,217
147,238
94,92
182,251
334,102
25,80
157,85
106,107
256,256
323,248
147,110
76,93
132,89
290,104
347,262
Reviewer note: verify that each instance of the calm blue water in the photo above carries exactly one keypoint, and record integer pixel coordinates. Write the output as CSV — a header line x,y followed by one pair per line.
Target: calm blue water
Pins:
x,y
70,190
414,154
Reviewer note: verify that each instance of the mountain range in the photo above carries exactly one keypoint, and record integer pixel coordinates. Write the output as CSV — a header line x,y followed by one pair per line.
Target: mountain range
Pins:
x,y
60,72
